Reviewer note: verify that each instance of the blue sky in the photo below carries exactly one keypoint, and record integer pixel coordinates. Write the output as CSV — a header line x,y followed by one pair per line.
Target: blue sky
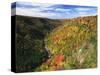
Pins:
x,y
53,11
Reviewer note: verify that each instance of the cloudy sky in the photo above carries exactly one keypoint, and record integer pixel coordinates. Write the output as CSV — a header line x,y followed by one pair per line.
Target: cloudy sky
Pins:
x,y
52,11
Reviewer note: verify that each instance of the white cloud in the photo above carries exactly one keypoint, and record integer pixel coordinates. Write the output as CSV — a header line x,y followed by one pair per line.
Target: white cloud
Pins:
x,y
63,10
42,5
33,12
85,14
85,9
82,9
49,11
82,13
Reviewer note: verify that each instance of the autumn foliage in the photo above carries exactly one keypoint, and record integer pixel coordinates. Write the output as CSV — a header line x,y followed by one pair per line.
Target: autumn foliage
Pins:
x,y
73,44
51,44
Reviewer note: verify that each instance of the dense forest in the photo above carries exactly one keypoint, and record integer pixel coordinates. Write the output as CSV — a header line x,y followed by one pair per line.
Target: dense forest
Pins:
x,y
30,34
52,44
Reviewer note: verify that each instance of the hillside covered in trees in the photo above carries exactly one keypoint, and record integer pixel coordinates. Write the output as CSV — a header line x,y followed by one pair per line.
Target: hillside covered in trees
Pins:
x,y
53,44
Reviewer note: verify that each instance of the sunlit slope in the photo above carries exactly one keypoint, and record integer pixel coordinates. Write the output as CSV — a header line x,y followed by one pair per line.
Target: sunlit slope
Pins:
x,y
73,45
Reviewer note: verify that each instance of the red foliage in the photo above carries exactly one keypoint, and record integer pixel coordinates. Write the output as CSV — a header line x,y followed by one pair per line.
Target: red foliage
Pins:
x,y
59,59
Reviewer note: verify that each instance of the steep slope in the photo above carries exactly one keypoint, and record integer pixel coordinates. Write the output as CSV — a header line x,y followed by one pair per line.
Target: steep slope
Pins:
x,y
30,33
72,45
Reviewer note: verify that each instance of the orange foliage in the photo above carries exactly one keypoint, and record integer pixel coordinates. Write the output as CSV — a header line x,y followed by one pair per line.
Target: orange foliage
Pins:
x,y
59,59
56,39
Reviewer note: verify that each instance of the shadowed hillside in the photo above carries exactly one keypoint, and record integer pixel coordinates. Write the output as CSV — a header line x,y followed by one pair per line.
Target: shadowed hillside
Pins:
x,y
30,44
